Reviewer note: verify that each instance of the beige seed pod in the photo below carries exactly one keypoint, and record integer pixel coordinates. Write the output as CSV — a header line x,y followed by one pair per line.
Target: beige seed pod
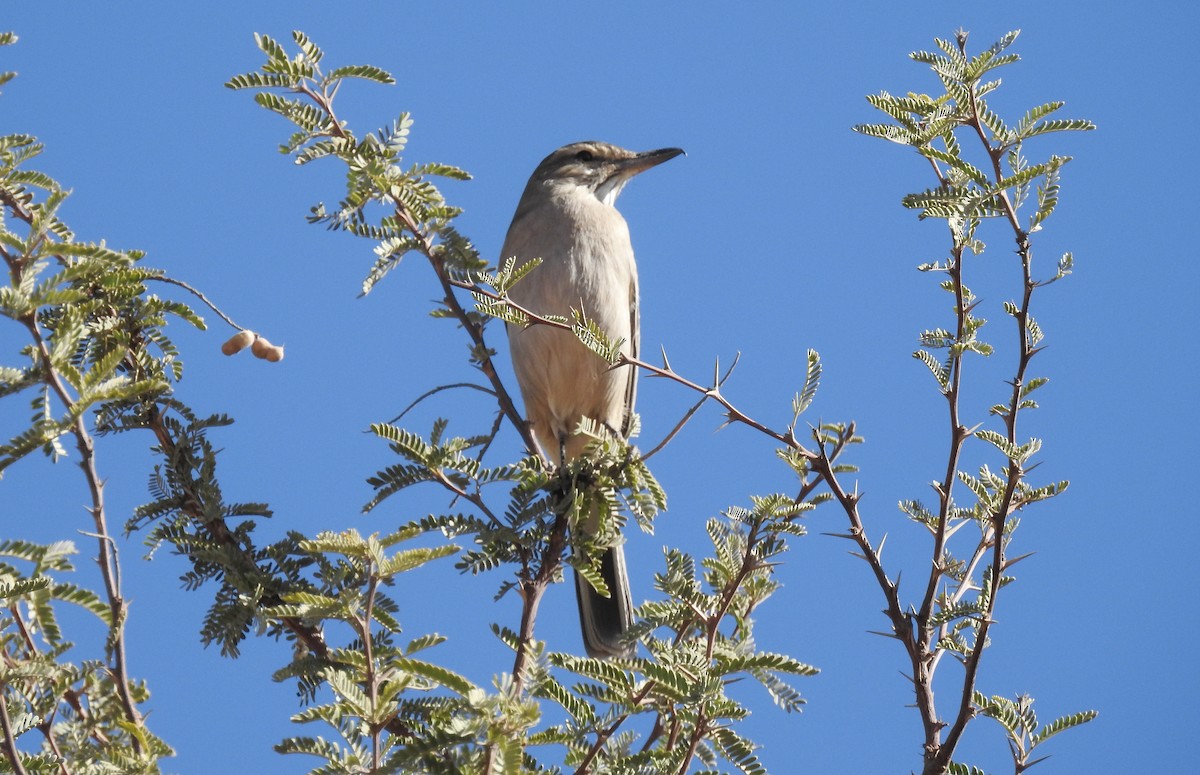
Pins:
x,y
237,342
261,347
275,354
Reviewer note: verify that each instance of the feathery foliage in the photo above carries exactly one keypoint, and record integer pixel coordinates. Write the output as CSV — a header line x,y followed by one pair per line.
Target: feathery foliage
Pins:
x,y
956,612
98,360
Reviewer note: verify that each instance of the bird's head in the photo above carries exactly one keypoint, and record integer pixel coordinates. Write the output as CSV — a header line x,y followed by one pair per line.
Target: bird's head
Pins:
x,y
601,168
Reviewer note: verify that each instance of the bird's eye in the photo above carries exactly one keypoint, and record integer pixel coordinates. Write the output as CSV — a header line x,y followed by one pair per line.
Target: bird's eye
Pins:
x,y
585,155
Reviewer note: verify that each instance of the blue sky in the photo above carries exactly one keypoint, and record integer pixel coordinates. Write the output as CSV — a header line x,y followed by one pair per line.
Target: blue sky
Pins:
x,y
781,230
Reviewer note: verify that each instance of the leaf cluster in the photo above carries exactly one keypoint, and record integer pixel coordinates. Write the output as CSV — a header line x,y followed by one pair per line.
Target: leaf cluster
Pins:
x,y
1020,724
419,217
63,712
700,644
97,338
387,705
968,192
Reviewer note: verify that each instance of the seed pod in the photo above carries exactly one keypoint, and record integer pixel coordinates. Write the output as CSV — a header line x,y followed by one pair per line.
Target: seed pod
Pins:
x,y
237,342
261,347
275,354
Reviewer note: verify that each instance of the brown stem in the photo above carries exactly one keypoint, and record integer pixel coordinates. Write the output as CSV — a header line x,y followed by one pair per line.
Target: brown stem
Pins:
x,y
958,434
372,678
198,294
732,413
938,762
10,741
700,731
325,103
106,554
473,329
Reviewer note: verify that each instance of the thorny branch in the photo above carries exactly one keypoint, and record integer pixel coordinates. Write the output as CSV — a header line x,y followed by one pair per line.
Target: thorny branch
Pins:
x,y
106,552
914,628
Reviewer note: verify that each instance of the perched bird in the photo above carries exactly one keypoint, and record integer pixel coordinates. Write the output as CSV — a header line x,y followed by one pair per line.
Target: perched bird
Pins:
x,y
567,217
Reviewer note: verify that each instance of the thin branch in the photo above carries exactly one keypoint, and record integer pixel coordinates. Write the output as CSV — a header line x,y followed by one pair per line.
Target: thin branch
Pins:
x,y
678,427
10,740
405,217
162,278
733,414
372,677
1014,471
435,391
105,558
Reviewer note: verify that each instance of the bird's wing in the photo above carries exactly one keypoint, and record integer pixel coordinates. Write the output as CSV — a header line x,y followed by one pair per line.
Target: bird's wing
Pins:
x,y
634,347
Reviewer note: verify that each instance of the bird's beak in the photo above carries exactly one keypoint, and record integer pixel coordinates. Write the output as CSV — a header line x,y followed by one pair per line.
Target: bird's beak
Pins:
x,y
647,159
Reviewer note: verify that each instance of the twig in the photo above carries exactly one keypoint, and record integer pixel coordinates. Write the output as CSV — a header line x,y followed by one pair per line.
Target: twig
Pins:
x,y
105,558
690,412
10,740
372,678
733,414
435,391
162,278
405,217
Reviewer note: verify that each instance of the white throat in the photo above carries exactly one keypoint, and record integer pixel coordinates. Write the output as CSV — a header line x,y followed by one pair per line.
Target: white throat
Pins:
x,y
608,191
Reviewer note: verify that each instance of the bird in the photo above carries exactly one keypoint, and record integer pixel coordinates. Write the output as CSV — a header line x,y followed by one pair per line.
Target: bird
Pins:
x,y
567,217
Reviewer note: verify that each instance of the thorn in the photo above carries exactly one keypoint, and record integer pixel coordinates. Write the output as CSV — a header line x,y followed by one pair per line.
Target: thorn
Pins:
x,y
666,363
1009,563
737,357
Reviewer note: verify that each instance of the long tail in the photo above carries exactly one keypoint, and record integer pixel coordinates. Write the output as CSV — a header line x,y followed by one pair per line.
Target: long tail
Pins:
x,y
605,620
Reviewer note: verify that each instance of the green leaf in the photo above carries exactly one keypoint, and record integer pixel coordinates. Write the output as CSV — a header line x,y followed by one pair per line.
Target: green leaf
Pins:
x,y
738,750
369,72
438,674
311,52
270,47
582,711
970,171
889,132
415,558
1062,724
1058,125
940,372
260,81
23,587
779,663
595,339
812,379
1032,385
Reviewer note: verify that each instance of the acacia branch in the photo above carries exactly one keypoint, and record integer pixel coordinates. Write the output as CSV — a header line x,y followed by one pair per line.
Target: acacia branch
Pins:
x,y
732,413
10,740
1014,472
106,553
473,328
162,278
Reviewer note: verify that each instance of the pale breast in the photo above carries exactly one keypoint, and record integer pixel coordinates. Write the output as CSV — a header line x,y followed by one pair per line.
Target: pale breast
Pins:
x,y
587,264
